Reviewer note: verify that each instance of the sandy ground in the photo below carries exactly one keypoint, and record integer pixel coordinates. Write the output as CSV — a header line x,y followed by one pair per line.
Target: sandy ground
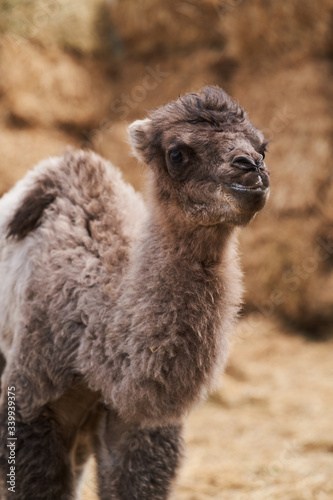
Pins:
x,y
267,433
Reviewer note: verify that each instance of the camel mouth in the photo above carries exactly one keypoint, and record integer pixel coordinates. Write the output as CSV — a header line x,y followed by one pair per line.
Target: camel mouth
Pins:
x,y
247,189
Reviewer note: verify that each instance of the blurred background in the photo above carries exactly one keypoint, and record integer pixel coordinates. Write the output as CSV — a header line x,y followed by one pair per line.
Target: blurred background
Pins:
x,y
77,72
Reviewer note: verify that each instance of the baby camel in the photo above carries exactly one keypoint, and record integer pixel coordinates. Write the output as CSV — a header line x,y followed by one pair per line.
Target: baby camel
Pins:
x,y
114,317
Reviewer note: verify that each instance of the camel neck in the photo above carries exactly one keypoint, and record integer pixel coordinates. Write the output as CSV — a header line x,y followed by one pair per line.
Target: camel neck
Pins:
x,y
204,244
166,333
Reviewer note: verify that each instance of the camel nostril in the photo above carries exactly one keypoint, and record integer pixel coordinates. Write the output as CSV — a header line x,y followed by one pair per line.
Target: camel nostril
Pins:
x,y
245,162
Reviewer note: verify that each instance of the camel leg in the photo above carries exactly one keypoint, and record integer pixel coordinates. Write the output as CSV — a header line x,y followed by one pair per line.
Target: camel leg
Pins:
x,y
135,463
42,465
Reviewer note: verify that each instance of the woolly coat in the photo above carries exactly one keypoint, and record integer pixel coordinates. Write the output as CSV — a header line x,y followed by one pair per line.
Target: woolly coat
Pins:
x,y
93,288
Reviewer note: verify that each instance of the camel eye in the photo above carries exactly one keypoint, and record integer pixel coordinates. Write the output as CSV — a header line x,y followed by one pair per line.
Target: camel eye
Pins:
x,y
176,157
263,154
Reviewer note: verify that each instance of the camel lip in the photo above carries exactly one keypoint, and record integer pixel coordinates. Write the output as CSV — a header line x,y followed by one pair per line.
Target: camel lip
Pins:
x,y
249,189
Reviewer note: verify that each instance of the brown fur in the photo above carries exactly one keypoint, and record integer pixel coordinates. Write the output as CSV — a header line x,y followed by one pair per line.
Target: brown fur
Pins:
x,y
125,309
29,214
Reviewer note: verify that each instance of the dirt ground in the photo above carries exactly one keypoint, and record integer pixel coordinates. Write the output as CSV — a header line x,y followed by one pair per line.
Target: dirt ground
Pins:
x,y
266,434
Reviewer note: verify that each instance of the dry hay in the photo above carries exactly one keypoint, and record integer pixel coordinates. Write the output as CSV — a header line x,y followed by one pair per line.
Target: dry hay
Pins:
x,y
78,26
288,249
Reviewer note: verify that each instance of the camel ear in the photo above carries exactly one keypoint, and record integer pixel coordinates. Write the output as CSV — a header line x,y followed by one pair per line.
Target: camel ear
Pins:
x,y
139,134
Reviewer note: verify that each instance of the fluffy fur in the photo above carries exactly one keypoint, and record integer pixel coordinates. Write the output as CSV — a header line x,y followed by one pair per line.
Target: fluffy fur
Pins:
x,y
114,316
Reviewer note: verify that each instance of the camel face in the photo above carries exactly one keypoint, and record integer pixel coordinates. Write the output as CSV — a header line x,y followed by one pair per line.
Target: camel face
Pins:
x,y
217,177
206,156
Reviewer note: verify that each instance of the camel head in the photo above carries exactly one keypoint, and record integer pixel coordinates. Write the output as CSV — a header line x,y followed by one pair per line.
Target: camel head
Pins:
x,y
205,157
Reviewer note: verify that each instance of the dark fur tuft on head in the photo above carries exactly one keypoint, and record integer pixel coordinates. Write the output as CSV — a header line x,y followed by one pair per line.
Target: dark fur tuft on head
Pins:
x,y
210,108
211,105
